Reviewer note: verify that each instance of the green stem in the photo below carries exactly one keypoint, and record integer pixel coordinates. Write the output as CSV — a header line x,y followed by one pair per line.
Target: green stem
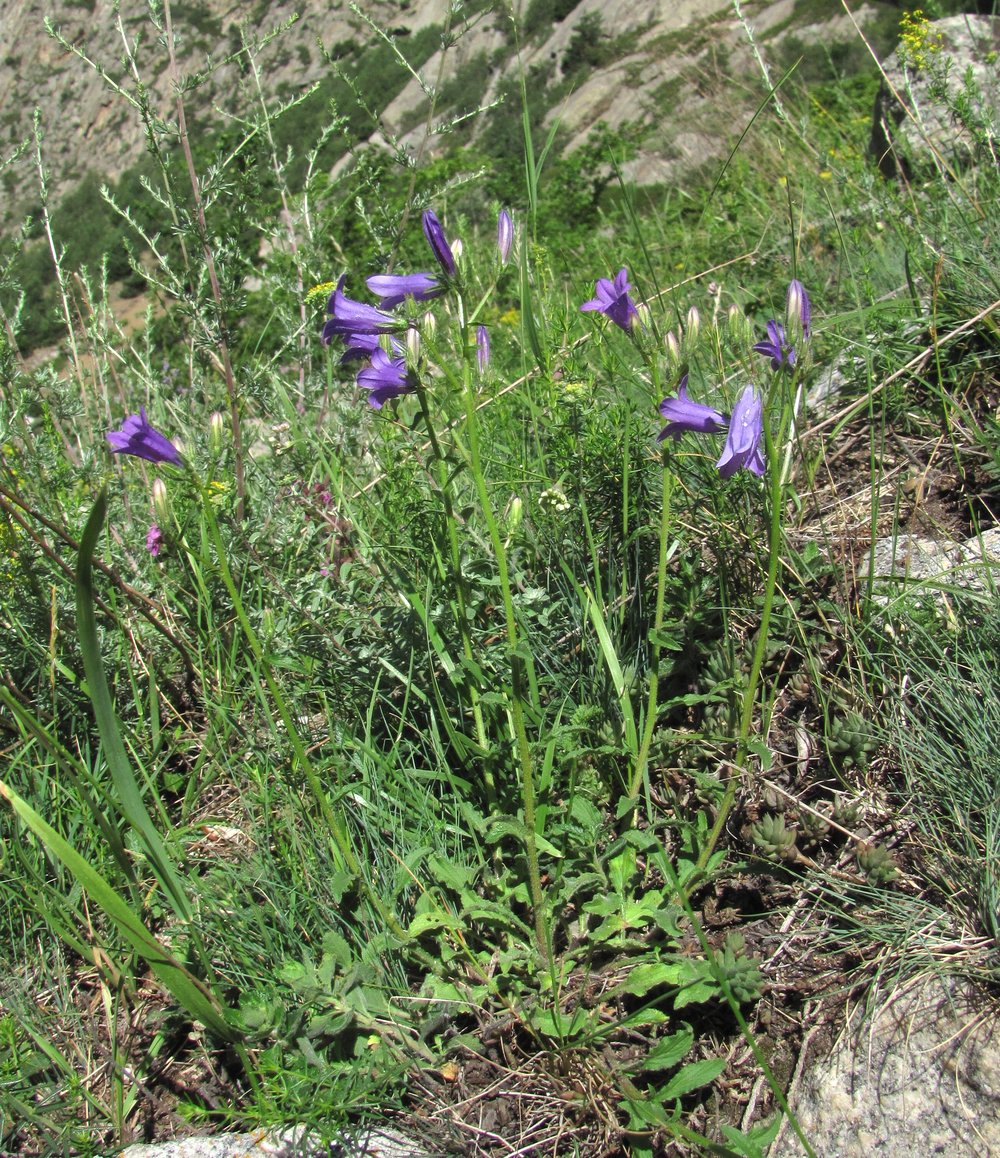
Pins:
x,y
775,542
640,775
444,486
518,676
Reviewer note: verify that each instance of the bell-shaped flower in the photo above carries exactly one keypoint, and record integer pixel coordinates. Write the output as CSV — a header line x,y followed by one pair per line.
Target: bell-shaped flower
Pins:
x,y
777,347
612,299
393,288
746,432
141,440
350,317
438,242
386,377
684,415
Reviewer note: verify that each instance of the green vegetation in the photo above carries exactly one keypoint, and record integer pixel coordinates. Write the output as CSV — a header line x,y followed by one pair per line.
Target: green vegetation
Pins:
x,y
474,750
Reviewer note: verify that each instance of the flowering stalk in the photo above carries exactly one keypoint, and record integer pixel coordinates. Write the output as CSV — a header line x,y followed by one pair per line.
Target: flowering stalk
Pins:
x,y
518,673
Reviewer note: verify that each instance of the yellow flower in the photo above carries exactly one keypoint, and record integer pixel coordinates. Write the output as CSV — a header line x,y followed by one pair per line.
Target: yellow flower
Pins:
x,y
323,290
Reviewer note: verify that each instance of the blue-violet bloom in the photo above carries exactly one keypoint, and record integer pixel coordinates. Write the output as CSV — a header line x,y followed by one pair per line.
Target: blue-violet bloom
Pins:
x,y
776,347
505,235
351,317
385,378
482,349
394,288
682,414
138,438
359,346
612,299
154,540
438,243
746,432
798,311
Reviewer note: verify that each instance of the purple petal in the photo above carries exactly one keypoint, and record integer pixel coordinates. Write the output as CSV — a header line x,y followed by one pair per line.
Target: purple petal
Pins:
x,y
743,442
438,242
684,415
392,288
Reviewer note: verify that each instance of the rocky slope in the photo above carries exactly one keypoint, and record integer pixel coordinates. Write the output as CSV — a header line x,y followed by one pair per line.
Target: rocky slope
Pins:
x,y
681,70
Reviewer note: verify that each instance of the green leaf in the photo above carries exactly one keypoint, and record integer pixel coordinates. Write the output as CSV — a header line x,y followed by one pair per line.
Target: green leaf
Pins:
x,y
122,774
188,991
669,1051
692,1077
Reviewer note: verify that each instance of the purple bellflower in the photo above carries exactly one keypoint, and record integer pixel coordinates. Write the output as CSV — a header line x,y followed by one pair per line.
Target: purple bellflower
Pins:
x,y
359,346
612,299
777,347
682,414
138,438
482,349
798,312
505,235
350,317
393,288
154,540
386,377
438,243
746,432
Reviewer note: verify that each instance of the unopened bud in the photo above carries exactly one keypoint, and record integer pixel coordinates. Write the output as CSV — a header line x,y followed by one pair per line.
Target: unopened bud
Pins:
x,y
693,326
798,313
412,346
515,513
505,235
643,316
673,348
161,504
482,349
428,326
456,249
216,431
267,624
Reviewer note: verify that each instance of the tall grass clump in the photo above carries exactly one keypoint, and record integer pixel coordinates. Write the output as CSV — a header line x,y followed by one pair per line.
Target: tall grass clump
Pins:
x,y
429,663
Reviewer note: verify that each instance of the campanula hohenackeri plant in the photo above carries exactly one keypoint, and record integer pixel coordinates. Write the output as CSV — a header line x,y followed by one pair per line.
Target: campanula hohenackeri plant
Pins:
x,y
505,235
141,440
482,349
386,377
438,243
154,540
798,311
350,317
777,347
684,415
393,288
611,298
746,432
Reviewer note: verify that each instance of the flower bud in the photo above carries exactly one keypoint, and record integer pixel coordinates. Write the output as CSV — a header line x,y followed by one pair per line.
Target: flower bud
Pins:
x,y
693,327
428,326
161,504
412,346
482,349
643,316
798,313
673,349
216,431
456,249
505,235
514,515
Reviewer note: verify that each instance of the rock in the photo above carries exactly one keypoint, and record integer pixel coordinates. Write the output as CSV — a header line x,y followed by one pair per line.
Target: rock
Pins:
x,y
921,1077
911,566
953,64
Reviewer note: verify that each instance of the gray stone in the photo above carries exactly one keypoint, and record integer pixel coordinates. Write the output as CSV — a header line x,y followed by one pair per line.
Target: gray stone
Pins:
x,y
920,1077
914,567
914,120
